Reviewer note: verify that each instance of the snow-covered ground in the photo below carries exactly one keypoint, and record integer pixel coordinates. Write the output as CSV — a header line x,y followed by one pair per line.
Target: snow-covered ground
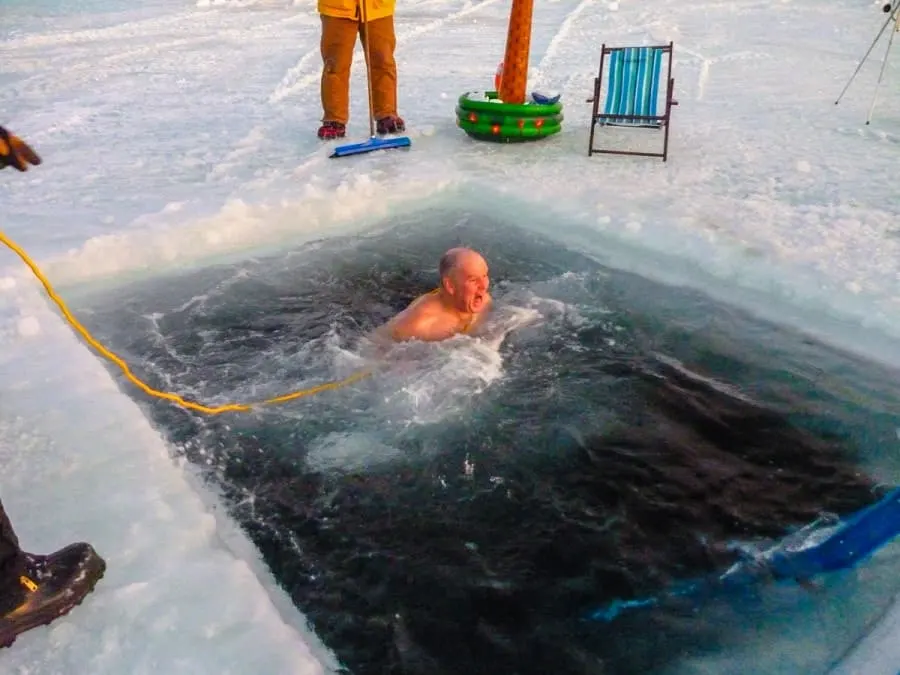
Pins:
x,y
176,133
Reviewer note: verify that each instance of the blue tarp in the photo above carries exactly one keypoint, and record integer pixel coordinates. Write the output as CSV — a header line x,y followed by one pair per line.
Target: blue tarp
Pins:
x,y
853,539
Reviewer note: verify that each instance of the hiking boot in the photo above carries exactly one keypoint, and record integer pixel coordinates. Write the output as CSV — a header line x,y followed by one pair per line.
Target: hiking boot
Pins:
x,y
50,586
331,130
390,125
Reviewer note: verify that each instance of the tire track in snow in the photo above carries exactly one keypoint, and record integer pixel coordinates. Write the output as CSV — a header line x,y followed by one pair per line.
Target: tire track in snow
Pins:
x,y
575,35
614,21
67,75
102,57
538,77
707,62
123,31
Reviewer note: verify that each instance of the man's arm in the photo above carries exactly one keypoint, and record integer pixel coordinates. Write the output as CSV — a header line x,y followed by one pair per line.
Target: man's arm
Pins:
x,y
423,326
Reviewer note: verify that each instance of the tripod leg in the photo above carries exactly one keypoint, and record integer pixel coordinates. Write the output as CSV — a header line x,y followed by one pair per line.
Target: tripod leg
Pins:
x,y
871,47
884,65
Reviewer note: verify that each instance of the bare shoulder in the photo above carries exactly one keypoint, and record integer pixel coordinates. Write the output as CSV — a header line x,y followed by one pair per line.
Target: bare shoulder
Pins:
x,y
419,320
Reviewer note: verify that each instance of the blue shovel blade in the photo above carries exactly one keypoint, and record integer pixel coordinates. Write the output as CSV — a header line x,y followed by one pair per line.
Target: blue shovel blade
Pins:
x,y
371,145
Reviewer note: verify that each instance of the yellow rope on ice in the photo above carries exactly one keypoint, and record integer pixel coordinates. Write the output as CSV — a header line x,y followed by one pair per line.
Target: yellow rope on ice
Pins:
x,y
147,389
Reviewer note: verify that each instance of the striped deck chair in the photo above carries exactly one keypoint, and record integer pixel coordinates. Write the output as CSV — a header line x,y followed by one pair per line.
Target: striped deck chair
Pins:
x,y
633,93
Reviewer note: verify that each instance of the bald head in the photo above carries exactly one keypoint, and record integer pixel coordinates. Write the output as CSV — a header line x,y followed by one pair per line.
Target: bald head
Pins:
x,y
464,279
456,258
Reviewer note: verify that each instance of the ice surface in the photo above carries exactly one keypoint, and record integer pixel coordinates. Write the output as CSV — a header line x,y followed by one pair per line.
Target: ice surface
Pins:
x,y
879,652
184,591
178,132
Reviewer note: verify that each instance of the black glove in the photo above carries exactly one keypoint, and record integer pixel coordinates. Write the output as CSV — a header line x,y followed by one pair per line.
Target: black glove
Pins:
x,y
16,152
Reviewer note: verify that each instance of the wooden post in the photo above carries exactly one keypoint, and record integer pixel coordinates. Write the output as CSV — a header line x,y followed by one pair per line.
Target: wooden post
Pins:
x,y
514,84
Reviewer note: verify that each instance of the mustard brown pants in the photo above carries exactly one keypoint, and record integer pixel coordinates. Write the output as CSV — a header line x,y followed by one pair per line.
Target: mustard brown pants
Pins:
x,y
338,41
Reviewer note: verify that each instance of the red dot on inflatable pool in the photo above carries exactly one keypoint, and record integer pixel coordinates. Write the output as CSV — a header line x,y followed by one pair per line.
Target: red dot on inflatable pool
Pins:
x,y
539,123
496,128
473,117
521,123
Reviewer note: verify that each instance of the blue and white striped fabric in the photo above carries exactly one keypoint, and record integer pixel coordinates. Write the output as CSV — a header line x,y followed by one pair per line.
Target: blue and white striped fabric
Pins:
x,y
633,86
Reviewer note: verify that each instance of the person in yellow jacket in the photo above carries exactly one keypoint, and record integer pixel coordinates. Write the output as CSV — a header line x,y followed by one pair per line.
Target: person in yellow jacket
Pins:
x,y
341,22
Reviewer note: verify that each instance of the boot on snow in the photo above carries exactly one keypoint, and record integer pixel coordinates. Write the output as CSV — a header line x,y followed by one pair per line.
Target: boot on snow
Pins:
x,y
392,124
331,130
49,587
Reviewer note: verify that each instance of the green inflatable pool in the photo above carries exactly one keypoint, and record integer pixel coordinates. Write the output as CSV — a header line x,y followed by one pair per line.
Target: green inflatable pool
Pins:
x,y
484,117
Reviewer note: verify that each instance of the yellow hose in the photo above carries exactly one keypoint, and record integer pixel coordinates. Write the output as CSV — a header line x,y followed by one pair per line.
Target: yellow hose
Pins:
x,y
147,389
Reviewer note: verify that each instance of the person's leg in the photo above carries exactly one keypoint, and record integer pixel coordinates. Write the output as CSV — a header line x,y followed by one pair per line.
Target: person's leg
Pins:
x,y
337,42
12,560
36,589
383,42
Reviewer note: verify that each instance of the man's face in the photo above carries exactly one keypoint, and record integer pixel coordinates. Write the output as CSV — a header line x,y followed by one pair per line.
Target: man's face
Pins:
x,y
469,282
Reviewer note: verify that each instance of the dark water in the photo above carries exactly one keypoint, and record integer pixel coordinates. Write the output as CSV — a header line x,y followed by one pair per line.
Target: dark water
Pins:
x,y
463,510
